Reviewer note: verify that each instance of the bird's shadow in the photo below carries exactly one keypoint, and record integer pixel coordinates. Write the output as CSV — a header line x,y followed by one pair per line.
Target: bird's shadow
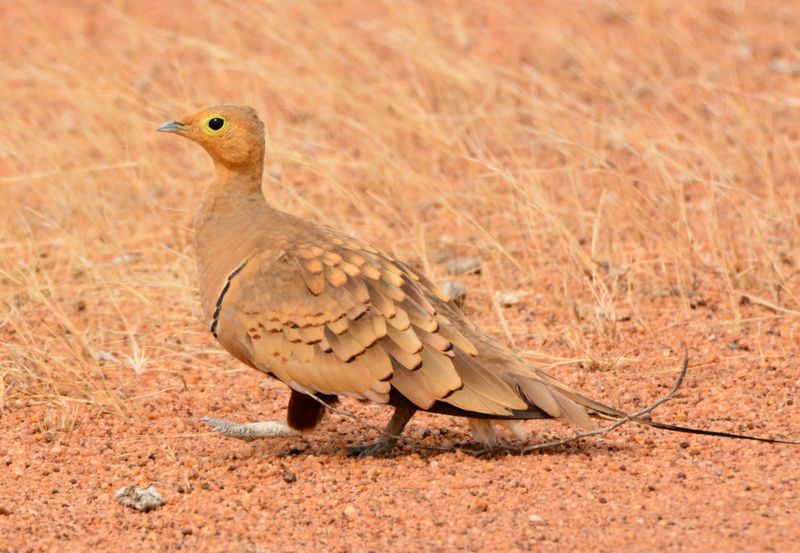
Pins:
x,y
339,448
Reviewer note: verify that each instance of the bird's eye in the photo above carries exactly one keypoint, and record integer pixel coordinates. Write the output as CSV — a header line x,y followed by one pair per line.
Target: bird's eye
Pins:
x,y
215,124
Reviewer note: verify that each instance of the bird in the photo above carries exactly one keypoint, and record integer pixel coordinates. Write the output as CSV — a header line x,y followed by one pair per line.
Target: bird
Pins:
x,y
330,315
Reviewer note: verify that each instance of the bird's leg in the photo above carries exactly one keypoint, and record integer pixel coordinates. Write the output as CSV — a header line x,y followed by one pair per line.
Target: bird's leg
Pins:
x,y
384,445
250,430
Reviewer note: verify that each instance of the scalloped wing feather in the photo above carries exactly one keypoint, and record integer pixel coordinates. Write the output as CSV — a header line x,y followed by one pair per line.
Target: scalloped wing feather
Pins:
x,y
328,314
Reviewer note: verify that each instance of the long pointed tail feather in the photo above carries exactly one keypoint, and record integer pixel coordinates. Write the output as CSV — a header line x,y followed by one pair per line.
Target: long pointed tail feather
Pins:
x,y
703,432
599,410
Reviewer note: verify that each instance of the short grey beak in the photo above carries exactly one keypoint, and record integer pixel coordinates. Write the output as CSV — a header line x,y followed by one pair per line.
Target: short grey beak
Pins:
x,y
170,126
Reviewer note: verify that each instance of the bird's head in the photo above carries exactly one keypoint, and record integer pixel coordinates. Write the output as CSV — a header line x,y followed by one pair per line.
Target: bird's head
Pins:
x,y
232,135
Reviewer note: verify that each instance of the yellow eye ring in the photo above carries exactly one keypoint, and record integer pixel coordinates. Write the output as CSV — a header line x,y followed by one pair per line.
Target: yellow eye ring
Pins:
x,y
214,125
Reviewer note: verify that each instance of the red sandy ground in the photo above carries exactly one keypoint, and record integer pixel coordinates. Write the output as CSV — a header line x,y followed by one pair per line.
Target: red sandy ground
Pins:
x,y
638,490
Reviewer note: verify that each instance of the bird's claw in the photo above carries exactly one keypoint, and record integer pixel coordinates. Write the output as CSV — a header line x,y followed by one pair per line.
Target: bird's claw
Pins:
x,y
379,448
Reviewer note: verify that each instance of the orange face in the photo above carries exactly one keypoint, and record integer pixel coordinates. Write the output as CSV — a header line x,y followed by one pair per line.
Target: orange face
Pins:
x,y
232,135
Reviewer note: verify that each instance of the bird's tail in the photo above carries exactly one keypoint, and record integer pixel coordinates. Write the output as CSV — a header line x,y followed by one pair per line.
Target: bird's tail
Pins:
x,y
596,409
609,413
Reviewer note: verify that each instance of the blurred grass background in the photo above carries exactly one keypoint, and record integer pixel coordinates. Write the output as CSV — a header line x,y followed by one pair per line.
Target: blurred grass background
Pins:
x,y
631,164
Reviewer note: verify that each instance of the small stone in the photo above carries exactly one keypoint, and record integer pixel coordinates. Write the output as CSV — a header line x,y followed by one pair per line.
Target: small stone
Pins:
x,y
785,67
507,299
535,519
5,511
350,511
141,499
456,291
289,477
463,266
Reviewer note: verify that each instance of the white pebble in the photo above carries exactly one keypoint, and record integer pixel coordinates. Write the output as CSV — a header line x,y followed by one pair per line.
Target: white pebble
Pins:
x,y
141,499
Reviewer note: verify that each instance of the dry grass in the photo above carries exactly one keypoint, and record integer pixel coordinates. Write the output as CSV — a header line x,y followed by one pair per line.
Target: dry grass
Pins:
x,y
618,159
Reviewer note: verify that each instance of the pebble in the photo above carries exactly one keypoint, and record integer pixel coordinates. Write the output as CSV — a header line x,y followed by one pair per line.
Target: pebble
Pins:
x,y
141,499
534,518
289,477
463,266
507,299
350,511
456,291
785,67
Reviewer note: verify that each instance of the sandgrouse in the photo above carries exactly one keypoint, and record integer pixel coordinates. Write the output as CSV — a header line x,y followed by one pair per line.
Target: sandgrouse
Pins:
x,y
329,315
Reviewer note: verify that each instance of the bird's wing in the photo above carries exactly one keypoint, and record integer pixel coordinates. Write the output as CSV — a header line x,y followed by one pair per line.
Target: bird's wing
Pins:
x,y
335,316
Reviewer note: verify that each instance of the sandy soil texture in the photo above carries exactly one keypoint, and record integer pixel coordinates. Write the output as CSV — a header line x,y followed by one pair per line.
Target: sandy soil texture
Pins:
x,y
626,174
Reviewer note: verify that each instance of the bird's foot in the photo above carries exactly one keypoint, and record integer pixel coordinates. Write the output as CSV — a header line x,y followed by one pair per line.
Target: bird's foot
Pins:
x,y
381,448
251,430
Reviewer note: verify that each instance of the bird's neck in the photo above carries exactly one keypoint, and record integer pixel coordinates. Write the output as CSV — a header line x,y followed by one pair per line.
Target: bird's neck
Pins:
x,y
237,180
227,227
233,191
238,173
